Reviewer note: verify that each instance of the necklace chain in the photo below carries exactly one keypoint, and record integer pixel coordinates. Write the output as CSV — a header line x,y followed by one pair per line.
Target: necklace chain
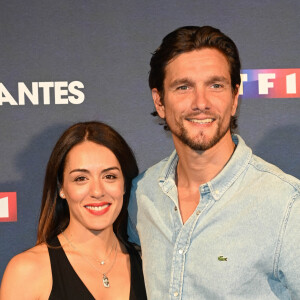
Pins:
x,y
102,261
105,279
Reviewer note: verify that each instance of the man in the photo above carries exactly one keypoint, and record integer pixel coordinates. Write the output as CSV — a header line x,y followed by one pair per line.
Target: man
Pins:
x,y
214,221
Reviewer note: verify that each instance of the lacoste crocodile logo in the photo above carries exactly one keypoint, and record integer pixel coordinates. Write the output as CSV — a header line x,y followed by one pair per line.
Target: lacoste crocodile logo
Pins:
x,y
222,258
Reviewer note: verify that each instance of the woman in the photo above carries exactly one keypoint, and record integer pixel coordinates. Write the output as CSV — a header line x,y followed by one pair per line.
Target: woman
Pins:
x,y
82,250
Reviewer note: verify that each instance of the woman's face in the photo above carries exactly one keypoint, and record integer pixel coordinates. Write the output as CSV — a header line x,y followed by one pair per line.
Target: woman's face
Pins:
x,y
93,186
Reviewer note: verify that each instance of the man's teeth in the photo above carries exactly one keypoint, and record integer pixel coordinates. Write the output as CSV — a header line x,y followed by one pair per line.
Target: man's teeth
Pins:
x,y
204,121
97,208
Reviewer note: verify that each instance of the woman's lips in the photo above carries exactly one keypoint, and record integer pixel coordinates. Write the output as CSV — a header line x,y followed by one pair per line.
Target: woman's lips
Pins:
x,y
98,209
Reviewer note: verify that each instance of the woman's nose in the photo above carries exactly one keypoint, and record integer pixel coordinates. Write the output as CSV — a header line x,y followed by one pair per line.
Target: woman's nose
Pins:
x,y
97,189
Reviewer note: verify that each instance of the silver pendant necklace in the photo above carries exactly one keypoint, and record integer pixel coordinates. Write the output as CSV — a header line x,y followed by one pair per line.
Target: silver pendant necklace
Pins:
x,y
105,279
102,261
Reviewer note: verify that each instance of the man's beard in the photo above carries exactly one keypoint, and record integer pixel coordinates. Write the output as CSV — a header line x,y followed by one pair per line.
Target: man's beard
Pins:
x,y
199,142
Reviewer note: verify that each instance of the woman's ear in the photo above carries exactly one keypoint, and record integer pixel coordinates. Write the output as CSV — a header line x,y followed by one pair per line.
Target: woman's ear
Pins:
x,y
61,194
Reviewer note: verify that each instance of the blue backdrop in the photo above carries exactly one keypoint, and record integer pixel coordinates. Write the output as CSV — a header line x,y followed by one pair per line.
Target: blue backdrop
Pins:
x,y
98,52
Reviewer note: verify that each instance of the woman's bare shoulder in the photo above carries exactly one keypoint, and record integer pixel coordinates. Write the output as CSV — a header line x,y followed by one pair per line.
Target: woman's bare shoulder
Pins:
x,y
30,268
28,262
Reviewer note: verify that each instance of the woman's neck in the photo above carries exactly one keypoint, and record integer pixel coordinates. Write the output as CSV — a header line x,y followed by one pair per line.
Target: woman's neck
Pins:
x,y
90,242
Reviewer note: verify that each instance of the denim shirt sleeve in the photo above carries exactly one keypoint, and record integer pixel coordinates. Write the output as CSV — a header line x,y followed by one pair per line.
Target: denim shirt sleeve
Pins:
x,y
288,268
132,232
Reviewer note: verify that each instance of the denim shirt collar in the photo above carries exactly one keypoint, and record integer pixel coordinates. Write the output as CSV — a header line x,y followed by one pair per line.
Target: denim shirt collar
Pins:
x,y
218,185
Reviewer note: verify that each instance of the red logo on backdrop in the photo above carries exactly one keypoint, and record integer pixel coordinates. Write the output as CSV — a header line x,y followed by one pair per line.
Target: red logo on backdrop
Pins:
x,y
8,207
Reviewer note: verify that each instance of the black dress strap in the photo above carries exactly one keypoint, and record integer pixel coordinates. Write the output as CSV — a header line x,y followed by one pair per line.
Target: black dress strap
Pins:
x,y
137,287
66,283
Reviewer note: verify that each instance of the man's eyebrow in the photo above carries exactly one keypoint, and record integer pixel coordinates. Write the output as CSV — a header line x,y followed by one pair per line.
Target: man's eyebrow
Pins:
x,y
188,81
217,78
181,81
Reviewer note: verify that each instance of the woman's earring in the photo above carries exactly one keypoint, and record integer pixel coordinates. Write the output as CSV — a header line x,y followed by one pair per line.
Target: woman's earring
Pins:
x,y
62,195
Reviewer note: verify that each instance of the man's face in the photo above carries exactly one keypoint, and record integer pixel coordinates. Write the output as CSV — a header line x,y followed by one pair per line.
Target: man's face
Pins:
x,y
198,100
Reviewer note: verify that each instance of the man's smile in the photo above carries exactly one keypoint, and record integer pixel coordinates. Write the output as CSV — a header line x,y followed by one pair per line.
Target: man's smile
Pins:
x,y
201,121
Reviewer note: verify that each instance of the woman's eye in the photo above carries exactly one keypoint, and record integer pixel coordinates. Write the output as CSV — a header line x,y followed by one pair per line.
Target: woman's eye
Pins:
x,y
110,176
80,178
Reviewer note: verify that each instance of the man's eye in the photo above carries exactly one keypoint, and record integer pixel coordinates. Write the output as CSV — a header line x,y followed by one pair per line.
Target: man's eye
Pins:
x,y
216,85
182,87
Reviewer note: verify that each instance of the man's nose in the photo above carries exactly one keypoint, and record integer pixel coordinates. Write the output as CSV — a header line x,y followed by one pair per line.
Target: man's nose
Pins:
x,y
200,99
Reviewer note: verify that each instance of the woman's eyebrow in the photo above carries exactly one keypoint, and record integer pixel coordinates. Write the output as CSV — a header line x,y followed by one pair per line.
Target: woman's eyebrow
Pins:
x,y
87,171
79,170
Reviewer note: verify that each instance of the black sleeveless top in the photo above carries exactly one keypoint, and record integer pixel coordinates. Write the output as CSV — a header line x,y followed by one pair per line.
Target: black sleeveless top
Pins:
x,y
67,285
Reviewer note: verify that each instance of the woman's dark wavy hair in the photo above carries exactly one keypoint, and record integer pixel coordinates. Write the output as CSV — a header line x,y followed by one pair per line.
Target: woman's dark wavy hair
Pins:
x,y
189,38
54,215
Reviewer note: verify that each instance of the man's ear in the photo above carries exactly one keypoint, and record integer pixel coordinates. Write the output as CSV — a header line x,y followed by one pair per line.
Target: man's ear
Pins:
x,y
235,100
160,108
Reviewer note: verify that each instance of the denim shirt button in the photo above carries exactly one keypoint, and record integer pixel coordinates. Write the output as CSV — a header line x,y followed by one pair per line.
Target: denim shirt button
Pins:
x,y
175,208
180,251
198,212
176,294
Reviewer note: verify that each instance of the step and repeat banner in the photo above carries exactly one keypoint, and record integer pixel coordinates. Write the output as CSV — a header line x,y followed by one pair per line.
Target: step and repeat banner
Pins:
x,y
62,62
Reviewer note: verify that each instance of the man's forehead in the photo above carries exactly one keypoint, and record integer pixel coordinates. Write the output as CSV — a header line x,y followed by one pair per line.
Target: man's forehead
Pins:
x,y
209,61
204,50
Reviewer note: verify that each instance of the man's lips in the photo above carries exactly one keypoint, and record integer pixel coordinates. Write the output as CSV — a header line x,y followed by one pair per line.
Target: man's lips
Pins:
x,y
201,121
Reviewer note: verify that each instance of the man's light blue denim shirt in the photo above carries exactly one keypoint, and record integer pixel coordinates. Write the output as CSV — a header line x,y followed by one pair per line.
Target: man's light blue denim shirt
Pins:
x,y
241,242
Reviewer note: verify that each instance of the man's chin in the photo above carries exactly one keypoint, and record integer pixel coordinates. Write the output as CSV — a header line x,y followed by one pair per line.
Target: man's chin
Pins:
x,y
201,142
201,146
197,144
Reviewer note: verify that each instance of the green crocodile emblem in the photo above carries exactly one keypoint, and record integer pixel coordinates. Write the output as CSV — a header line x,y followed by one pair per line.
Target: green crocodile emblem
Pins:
x,y
222,258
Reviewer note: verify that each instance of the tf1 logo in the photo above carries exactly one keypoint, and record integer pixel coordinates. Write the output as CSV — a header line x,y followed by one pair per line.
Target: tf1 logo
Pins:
x,y
270,83
8,207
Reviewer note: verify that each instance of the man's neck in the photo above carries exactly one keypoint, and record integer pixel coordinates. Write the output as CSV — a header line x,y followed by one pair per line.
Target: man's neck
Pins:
x,y
198,167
